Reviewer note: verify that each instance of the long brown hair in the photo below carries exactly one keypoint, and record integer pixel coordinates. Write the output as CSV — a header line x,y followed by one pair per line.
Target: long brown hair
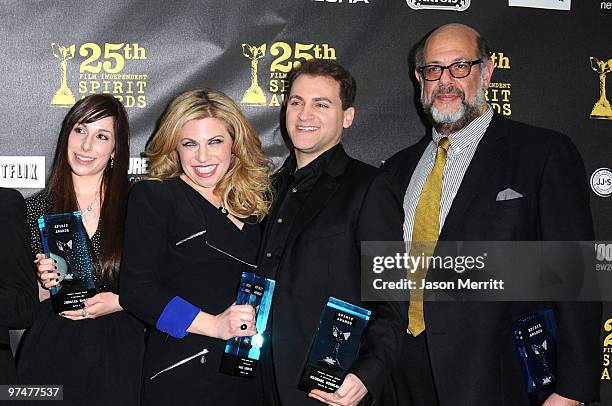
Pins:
x,y
245,189
114,186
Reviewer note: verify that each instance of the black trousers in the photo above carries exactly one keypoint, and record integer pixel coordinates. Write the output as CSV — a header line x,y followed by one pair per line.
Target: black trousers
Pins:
x,y
8,374
412,381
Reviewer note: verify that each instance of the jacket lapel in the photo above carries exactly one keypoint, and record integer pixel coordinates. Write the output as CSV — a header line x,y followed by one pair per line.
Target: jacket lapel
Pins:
x,y
477,174
404,169
217,228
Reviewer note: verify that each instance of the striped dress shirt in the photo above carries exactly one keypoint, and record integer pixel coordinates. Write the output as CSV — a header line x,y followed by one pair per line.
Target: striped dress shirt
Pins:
x,y
463,144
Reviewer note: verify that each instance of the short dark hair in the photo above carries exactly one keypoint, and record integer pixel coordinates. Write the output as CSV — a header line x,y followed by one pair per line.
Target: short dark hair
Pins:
x,y
484,51
333,70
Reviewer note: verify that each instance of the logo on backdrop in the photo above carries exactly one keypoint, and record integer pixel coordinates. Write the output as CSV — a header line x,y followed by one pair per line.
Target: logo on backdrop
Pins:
x,y
602,109
63,96
606,350
601,182
498,93
138,168
452,5
286,57
111,68
549,4
22,172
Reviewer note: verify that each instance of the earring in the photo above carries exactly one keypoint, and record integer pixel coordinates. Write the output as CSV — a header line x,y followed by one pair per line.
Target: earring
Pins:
x,y
112,162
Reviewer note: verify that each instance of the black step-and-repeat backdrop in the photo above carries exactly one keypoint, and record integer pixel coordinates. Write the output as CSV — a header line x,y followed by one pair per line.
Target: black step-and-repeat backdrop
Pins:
x,y
551,58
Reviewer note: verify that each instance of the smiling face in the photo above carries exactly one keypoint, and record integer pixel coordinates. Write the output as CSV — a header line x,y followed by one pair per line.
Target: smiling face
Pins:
x,y
453,103
314,116
205,151
90,146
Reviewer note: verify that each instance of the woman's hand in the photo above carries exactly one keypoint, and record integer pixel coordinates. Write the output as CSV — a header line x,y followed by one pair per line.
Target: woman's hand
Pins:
x,y
99,305
235,321
46,271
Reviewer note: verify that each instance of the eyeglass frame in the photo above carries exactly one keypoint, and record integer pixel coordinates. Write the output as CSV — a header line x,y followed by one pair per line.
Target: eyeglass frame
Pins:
x,y
470,64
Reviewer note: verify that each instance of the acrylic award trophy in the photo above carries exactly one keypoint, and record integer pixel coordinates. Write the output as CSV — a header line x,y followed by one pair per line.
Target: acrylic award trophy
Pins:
x,y
63,239
242,353
335,346
535,340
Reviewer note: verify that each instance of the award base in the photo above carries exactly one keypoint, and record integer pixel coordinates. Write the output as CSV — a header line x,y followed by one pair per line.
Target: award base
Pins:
x,y
322,377
70,300
237,365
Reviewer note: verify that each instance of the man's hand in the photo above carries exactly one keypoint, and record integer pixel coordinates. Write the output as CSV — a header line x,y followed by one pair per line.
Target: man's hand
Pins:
x,y
349,393
558,400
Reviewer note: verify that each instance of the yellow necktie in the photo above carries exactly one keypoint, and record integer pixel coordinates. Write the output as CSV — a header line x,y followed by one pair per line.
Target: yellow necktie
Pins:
x,y
426,229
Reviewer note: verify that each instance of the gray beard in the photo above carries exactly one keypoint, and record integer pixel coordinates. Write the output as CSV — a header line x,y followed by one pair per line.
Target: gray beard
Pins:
x,y
450,122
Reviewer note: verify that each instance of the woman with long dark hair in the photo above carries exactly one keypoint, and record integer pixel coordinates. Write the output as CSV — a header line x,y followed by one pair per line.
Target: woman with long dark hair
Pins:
x,y
94,352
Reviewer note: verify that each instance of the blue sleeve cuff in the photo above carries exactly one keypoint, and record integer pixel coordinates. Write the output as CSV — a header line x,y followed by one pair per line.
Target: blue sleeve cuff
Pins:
x,y
177,317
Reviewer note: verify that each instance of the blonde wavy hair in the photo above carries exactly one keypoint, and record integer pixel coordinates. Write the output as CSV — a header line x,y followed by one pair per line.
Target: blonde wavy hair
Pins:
x,y
245,189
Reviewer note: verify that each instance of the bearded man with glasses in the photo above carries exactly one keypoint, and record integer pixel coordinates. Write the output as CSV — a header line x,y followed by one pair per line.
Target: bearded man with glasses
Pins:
x,y
477,176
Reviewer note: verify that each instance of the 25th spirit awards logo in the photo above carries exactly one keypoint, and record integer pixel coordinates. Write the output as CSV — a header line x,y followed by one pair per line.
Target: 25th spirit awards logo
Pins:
x,y
111,68
606,350
286,57
498,93
452,5
602,108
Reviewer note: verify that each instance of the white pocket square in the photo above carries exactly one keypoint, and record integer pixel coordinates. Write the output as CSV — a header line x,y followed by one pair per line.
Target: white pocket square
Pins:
x,y
508,194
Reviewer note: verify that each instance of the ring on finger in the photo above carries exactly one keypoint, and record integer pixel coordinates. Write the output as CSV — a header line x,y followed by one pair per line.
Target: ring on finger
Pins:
x,y
84,313
243,326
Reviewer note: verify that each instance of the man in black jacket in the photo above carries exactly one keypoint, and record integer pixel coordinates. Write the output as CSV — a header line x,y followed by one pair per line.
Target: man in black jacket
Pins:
x,y
500,181
18,292
327,203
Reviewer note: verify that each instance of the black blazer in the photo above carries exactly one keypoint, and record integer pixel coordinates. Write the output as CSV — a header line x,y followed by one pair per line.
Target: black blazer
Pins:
x,y
18,291
351,202
178,244
473,358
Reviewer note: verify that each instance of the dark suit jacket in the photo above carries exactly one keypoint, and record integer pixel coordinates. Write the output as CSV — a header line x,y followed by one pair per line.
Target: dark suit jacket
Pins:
x,y
18,292
473,358
351,202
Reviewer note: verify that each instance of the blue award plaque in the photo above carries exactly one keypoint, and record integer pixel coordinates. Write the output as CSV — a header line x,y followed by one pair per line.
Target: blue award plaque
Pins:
x,y
242,353
535,338
335,346
63,239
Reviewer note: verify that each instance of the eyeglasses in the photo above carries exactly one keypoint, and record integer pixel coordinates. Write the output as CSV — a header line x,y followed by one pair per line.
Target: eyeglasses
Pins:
x,y
457,70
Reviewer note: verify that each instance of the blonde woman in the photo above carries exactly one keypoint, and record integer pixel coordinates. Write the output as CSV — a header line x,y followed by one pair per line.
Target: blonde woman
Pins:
x,y
191,230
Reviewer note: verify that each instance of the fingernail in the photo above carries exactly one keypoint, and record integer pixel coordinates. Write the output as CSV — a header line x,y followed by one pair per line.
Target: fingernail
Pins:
x,y
59,274
62,314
